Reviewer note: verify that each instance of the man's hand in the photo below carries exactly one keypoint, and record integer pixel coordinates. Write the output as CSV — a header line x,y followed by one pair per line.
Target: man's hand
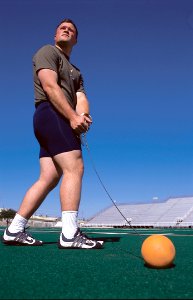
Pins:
x,y
81,123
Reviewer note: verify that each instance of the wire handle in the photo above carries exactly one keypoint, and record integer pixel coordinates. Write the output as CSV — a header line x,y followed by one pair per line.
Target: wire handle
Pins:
x,y
85,143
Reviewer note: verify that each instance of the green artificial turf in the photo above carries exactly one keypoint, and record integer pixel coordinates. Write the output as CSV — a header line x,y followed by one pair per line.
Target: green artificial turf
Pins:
x,y
115,272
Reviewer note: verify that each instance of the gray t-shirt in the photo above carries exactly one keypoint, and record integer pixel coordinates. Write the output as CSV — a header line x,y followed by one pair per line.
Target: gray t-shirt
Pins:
x,y
69,77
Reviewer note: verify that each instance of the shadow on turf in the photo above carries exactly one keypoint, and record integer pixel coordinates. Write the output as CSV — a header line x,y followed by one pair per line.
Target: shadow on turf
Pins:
x,y
49,243
151,267
105,239
161,268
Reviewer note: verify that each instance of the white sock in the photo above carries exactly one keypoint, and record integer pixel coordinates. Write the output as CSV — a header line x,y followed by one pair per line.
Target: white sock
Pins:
x,y
69,223
18,224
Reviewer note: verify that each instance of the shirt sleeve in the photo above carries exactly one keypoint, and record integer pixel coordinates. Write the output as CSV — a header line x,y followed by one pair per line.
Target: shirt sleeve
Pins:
x,y
46,58
81,85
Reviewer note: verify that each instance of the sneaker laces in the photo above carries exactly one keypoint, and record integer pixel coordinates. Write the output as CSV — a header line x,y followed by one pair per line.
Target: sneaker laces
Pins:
x,y
82,237
23,236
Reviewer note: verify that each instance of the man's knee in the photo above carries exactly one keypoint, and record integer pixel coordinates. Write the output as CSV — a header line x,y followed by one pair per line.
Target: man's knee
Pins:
x,y
71,162
50,180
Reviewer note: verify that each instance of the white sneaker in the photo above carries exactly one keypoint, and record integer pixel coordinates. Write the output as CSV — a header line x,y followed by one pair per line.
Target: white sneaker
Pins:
x,y
19,239
80,241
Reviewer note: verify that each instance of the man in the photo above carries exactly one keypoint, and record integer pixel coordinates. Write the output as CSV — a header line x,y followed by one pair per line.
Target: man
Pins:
x,y
61,116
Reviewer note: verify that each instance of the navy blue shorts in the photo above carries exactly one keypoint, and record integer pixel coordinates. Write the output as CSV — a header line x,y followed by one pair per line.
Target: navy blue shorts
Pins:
x,y
53,131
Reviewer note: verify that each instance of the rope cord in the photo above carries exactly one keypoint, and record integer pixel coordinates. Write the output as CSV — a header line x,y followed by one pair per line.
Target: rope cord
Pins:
x,y
85,143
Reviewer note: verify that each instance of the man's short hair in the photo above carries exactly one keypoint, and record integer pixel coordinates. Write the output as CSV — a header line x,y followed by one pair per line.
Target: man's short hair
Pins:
x,y
68,21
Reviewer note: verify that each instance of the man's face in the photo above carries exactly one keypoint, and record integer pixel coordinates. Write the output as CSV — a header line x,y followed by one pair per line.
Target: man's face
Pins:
x,y
66,33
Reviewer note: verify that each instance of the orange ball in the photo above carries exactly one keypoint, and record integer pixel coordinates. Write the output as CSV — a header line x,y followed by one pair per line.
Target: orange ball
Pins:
x,y
158,251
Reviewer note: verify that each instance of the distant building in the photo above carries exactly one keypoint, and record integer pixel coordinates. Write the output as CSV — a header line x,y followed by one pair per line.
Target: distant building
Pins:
x,y
175,212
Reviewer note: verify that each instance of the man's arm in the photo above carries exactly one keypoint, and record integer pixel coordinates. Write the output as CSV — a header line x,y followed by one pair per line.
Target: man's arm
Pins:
x,y
82,107
48,79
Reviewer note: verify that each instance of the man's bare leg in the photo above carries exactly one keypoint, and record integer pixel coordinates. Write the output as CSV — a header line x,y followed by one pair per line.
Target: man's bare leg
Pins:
x,y
49,177
72,166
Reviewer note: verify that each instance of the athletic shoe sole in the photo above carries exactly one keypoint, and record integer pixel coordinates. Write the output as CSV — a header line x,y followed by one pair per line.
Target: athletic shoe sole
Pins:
x,y
96,247
15,243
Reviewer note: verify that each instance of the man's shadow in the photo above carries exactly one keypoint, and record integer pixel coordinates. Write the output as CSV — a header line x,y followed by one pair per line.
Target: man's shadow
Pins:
x,y
105,239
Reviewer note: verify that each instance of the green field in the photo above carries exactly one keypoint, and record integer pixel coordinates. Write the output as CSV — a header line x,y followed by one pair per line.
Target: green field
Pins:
x,y
115,272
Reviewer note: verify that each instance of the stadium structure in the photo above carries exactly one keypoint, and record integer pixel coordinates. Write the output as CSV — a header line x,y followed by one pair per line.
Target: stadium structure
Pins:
x,y
174,212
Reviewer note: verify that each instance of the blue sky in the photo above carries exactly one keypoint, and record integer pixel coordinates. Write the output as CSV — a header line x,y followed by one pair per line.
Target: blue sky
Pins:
x,y
136,57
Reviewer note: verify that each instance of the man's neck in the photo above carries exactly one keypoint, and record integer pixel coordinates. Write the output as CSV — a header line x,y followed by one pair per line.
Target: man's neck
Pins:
x,y
65,50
